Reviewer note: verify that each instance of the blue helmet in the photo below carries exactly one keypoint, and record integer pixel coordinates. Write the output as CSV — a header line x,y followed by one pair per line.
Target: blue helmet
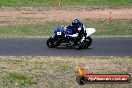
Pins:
x,y
75,21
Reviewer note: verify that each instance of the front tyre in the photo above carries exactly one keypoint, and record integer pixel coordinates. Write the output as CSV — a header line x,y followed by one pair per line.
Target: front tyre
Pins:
x,y
51,43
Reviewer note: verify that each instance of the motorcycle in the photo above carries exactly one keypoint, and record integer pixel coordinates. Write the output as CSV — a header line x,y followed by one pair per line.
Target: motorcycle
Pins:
x,y
61,36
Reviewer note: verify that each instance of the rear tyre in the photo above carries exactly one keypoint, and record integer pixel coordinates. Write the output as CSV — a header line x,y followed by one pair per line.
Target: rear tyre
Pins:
x,y
85,44
88,42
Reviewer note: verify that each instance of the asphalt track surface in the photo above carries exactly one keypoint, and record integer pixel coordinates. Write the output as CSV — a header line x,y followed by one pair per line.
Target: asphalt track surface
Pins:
x,y
110,46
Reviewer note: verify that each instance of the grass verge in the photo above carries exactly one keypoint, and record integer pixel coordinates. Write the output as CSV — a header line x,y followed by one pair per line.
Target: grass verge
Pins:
x,y
58,72
103,27
99,3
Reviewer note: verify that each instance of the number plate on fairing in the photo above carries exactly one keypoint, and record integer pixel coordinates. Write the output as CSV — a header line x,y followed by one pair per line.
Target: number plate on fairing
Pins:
x,y
58,33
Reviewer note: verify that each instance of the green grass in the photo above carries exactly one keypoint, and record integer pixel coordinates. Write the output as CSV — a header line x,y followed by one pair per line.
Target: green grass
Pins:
x,y
28,30
21,79
112,28
103,28
59,72
107,3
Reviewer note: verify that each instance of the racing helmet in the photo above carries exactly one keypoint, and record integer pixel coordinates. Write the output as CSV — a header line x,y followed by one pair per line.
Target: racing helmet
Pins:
x,y
75,22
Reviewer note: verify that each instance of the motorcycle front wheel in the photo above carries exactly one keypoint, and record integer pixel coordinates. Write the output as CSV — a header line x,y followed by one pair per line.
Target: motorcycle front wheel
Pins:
x,y
51,42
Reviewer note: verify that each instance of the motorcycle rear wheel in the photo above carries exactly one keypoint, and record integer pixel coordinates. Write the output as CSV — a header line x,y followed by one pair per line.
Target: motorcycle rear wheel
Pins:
x,y
86,43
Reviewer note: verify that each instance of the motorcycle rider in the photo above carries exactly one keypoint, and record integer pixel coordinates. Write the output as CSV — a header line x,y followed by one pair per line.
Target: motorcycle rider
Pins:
x,y
77,30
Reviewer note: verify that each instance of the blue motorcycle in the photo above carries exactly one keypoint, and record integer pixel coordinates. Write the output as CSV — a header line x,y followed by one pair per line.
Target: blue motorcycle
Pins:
x,y
66,37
